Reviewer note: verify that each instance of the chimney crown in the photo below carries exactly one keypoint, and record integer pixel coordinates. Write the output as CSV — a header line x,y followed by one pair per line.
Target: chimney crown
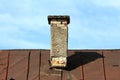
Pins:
x,y
59,18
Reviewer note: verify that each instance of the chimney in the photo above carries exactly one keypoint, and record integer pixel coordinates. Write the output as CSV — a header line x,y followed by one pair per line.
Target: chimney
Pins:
x,y
59,40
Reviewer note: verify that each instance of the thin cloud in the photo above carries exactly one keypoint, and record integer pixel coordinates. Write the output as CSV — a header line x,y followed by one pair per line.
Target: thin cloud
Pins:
x,y
107,3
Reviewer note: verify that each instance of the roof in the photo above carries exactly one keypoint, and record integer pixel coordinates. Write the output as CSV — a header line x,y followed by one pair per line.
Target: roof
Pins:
x,y
82,65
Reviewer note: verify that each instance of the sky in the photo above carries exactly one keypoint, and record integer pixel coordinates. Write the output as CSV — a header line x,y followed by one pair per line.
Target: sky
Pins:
x,y
94,24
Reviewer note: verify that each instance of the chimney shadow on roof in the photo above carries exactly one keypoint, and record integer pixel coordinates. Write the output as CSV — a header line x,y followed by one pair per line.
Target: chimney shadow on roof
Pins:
x,y
81,58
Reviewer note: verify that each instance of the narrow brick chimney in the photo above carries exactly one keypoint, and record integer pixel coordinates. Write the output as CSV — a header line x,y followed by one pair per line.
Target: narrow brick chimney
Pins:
x,y
59,40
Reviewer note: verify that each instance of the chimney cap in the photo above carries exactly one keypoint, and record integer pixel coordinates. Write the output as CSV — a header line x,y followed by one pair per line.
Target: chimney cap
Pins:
x,y
59,18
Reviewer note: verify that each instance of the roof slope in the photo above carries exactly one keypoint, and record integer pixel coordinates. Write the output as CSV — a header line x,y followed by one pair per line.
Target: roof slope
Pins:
x,y
82,65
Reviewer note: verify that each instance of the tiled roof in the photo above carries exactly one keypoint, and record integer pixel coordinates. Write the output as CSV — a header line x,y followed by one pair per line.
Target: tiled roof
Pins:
x,y
82,65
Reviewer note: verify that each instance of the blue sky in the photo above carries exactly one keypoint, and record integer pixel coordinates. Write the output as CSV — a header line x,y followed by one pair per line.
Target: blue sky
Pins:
x,y
94,24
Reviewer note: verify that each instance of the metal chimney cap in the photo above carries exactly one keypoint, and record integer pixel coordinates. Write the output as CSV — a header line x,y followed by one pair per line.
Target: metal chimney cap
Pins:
x,y
59,18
